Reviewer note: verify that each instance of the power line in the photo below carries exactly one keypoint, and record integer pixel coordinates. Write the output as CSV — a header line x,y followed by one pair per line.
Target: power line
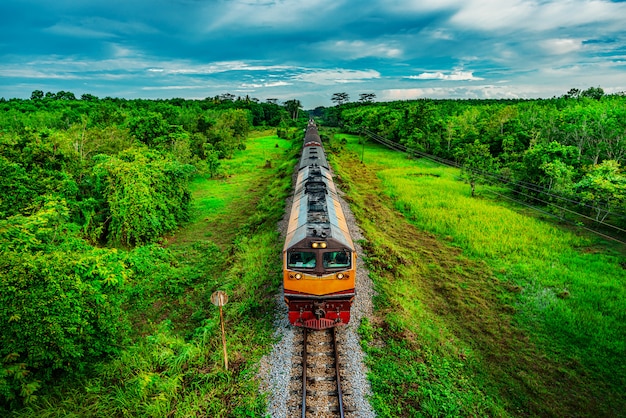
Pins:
x,y
520,202
532,186
505,181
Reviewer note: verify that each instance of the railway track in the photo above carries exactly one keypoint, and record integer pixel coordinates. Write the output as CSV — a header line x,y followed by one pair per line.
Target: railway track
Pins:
x,y
316,381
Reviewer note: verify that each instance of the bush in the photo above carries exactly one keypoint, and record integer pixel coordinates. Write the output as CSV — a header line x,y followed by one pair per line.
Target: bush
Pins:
x,y
146,195
60,306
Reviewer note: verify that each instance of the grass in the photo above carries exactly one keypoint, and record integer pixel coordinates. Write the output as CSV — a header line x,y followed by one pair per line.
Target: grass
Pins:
x,y
493,311
218,202
173,364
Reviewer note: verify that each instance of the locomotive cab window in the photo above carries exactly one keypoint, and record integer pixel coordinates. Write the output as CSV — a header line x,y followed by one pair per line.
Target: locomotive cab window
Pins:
x,y
336,259
301,259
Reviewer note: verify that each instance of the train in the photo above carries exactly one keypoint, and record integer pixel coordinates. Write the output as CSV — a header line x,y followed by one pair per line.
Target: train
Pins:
x,y
319,257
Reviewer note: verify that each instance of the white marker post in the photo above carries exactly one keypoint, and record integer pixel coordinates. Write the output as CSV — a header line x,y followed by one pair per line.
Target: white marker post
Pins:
x,y
220,298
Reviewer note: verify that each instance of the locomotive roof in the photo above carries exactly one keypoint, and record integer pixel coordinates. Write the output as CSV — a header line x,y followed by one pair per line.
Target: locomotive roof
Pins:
x,y
319,215
313,154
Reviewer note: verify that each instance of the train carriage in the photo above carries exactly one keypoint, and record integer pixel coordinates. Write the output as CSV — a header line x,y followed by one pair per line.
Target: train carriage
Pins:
x,y
319,261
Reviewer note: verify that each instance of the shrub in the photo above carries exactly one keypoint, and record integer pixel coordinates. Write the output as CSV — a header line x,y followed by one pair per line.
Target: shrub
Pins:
x,y
60,305
146,195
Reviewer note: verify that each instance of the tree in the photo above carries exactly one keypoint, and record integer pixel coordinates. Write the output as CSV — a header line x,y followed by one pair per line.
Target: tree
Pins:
x,y
65,95
476,161
572,93
212,159
367,97
595,93
36,95
340,98
227,97
145,194
150,128
293,107
89,98
60,307
603,188
550,165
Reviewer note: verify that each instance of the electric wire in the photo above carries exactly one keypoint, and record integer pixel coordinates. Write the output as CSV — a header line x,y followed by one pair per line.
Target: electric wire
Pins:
x,y
521,202
522,184
532,186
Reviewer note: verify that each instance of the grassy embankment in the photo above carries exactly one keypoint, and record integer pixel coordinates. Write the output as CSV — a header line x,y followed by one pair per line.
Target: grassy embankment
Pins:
x,y
173,365
483,310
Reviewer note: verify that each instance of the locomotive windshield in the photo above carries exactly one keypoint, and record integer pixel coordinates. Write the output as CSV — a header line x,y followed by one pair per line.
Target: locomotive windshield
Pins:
x,y
301,259
336,259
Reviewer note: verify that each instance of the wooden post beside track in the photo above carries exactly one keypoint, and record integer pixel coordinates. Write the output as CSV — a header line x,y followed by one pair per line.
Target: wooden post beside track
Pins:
x,y
220,298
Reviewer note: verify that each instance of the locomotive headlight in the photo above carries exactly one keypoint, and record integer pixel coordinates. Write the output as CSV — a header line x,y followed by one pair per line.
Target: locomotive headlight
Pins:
x,y
340,276
298,276
318,244
315,244
323,244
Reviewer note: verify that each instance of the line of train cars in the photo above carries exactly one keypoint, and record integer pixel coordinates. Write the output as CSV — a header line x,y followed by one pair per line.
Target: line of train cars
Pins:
x,y
319,260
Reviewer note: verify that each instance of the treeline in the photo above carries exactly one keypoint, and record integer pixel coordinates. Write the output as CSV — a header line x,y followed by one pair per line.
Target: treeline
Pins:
x,y
79,150
566,153
86,187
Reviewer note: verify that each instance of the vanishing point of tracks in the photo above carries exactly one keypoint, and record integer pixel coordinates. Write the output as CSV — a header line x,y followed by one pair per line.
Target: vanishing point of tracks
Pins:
x,y
316,382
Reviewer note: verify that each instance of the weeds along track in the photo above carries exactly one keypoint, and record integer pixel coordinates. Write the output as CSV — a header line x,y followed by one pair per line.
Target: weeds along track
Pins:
x,y
316,388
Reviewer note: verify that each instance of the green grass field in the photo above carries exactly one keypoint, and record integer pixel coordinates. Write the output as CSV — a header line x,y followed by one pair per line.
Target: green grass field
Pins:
x,y
505,313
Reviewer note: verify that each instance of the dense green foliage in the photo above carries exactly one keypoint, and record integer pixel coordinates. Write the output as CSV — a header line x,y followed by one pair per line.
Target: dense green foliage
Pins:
x,y
60,305
84,186
544,149
146,195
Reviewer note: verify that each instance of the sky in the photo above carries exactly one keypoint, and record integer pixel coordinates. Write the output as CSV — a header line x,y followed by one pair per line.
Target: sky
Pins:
x,y
310,49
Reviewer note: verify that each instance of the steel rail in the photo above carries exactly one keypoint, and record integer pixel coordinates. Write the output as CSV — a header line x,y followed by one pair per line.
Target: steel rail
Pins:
x,y
339,394
304,367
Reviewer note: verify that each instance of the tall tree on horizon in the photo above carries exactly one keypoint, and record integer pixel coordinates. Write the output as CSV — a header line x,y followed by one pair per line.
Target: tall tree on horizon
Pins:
x,y
367,97
293,107
340,98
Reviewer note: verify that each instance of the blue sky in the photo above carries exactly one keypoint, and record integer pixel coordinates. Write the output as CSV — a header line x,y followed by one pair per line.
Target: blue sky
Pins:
x,y
310,49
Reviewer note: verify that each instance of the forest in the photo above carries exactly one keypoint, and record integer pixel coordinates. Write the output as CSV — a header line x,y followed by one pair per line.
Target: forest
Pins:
x,y
563,154
83,182
91,188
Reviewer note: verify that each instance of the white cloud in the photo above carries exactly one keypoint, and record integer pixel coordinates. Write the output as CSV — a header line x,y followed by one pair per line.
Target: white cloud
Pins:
x,y
27,73
493,14
404,6
537,15
470,92
265,85
452,76
438,34
78,31
360,49
268,14
337,76
99,28
561,46
160,88
187,68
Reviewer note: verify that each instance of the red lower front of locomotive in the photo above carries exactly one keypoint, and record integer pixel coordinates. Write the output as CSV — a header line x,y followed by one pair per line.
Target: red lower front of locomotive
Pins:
x,y
318,313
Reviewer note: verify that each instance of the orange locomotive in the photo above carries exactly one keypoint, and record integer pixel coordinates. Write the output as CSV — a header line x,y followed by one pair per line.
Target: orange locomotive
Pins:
x,y
319,261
